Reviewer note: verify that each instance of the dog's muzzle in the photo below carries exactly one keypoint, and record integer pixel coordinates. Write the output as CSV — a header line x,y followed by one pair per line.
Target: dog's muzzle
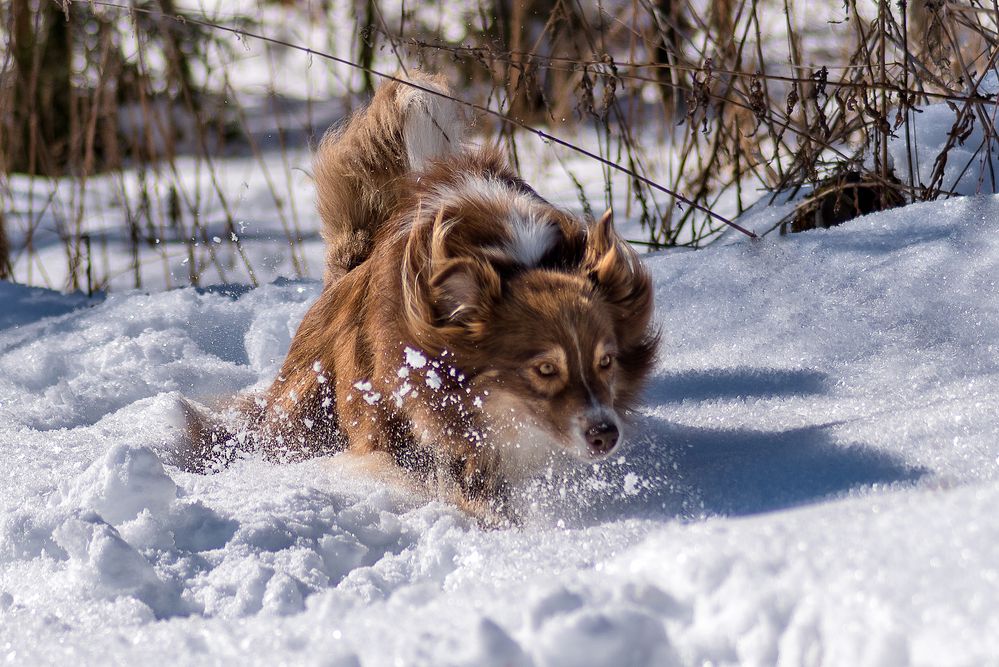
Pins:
x,y
602,437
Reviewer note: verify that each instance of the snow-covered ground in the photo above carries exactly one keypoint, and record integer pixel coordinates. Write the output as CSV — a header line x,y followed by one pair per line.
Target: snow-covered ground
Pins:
x,y
813,482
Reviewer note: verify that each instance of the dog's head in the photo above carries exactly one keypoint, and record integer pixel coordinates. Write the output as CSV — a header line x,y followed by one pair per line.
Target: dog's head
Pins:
x,y
557,355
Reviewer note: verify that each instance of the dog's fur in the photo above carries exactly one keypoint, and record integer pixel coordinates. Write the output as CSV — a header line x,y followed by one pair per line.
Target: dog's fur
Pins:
x,y
467,327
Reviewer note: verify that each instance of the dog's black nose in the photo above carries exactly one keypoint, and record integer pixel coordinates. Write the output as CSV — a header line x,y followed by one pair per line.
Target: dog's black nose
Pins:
x,y
602,437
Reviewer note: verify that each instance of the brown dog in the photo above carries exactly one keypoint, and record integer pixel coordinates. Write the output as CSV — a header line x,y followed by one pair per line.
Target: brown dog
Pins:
x,y
468,329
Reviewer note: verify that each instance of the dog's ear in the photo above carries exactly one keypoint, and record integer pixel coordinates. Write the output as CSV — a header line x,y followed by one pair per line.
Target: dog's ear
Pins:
x,y
462,292
600,237
613,266
444,295
617,274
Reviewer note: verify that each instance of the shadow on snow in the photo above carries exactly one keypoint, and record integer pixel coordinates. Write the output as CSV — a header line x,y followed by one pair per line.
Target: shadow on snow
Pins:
x,y
678,471
723,383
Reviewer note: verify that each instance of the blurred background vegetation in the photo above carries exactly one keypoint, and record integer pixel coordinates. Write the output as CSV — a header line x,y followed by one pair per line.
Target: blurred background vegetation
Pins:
x,y
730,103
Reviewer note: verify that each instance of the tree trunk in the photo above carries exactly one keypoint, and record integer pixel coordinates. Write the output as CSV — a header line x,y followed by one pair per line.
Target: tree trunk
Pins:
x,y
670,20
366,57
6,271
37,135
525,100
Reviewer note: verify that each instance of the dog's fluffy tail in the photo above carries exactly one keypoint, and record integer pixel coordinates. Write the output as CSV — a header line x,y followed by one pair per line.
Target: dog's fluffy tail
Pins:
x,y
358,166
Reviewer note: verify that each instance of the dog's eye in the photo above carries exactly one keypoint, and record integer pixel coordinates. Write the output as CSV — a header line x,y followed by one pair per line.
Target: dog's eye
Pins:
x,y
546,369
605,361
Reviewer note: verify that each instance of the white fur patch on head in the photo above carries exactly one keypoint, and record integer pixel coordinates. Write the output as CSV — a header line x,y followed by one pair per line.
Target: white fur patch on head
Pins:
x,y
530,236
434,125
530,240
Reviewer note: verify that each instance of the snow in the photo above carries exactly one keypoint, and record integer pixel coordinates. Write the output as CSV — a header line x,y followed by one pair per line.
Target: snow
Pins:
x,y
812,482
971,166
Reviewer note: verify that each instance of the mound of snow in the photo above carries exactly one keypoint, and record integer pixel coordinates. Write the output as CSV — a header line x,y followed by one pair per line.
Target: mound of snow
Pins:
x,y
120,486
812,481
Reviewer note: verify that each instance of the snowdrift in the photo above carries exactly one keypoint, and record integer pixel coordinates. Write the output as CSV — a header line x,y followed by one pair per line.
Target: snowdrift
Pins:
x,y
812,482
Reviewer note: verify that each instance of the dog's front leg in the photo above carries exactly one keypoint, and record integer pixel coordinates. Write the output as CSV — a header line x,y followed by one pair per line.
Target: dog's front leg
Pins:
x,y
480,490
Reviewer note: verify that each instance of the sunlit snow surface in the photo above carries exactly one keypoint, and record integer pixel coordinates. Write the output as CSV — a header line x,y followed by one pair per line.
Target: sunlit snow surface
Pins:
x,y
813,481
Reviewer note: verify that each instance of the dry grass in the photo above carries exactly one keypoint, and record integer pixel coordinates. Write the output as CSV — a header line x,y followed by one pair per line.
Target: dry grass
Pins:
x,y
749,101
